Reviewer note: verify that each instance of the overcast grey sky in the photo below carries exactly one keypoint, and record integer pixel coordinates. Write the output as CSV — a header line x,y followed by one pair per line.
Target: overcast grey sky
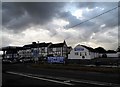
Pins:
x,y
25,22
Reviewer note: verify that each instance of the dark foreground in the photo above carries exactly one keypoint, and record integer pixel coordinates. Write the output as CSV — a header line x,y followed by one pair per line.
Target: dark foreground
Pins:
x,y
24,75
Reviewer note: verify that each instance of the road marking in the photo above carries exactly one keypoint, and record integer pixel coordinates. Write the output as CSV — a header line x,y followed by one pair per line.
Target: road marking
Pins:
x,y
93,82
80,81
65,80
40,78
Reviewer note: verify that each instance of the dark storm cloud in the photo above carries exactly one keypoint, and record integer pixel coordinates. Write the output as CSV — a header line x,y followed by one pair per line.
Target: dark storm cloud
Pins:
x,y
22,14
92,5
73,21
110,18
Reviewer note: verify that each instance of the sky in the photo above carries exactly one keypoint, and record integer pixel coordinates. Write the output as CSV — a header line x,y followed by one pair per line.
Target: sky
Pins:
x,y
26,22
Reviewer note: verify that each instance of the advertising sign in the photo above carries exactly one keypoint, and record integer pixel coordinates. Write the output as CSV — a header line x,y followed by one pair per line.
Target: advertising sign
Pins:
x,y
55,59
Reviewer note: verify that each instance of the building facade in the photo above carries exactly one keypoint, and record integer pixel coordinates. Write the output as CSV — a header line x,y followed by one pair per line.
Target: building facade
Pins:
x,y
82,52
10,52
44,50
59,49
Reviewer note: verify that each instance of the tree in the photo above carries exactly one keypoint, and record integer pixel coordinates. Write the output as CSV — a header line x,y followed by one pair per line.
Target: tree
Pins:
x,y
100,50
111,51
118,49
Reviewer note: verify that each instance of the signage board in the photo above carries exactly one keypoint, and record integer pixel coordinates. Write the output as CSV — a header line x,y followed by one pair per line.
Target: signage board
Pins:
x,y
78,49
55,59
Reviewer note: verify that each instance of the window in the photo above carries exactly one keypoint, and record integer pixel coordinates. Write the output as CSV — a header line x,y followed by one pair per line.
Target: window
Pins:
x,y
58,49
85,53
80,54
76,53
89,53
43,49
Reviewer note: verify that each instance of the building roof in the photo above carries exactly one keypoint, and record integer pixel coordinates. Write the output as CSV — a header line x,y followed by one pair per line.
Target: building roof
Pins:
x,y
89,48
57,45
35,45
10,48
44,44
69,47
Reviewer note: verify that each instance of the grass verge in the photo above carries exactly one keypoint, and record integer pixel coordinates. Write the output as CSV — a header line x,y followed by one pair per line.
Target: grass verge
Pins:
x,y
78,68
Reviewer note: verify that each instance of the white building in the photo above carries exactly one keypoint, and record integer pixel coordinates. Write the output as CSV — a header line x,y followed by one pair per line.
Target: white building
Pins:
x,y
82,52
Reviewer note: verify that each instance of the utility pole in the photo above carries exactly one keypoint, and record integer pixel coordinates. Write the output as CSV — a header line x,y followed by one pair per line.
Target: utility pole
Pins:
x,y
38,51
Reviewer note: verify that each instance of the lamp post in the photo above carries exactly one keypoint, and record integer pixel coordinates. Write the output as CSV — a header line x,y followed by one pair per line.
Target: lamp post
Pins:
x,y
38,50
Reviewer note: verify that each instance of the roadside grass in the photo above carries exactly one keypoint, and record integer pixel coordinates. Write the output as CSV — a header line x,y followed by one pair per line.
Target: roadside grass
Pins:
x,y
78,67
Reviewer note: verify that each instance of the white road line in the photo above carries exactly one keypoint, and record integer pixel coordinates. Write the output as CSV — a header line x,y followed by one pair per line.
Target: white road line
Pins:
x,y
65,80
92,82
79,80
40,78
96,83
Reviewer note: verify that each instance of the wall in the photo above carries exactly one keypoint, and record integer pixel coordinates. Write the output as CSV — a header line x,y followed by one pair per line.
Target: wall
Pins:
x,y
112,55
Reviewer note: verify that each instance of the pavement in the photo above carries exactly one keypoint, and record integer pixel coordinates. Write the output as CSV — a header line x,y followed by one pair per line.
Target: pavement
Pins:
x,y
24,75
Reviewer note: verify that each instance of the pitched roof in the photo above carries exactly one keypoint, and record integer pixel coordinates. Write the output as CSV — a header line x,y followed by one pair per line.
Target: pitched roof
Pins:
x,y
57,45
44,44
69,47
89,48
34,45
10,48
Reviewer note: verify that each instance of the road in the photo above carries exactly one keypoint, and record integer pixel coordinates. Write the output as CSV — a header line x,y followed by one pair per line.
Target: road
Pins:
x,y
16,80
23,74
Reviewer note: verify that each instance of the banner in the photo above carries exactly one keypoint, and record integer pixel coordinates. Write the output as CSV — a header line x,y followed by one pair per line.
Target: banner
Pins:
x,y
78,49
55,59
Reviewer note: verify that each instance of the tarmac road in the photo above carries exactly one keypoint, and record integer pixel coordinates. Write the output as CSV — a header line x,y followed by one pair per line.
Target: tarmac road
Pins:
x,y
16,80
23,74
